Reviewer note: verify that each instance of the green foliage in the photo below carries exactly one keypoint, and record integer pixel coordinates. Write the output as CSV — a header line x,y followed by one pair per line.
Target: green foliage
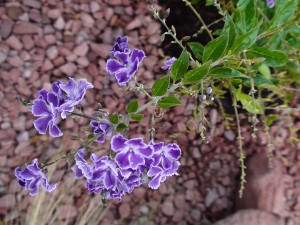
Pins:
x,y
216,48
121,127
137,117
197,74
168,102
225,72
197,49
114,119
251,105
180,66
160,86
132,106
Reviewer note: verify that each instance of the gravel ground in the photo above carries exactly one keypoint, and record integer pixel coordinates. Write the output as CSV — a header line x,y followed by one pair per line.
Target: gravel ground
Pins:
x,y
42,41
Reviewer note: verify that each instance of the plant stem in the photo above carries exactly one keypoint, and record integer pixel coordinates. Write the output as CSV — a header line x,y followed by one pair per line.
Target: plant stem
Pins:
x,y
189,4
240,142
152,122
84,116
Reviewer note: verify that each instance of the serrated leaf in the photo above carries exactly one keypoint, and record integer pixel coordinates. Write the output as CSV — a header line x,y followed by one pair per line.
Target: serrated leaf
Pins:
x,y
216,48
168,102
160,86
132,106
197,49
225,72
180,66
246,40
272,58
114,119
121,126
197,74
137,117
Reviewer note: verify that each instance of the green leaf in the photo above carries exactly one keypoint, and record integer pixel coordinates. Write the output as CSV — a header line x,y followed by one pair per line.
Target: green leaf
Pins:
x,y
225,72
180,66
265,71
270,119
90,137
114,119
197,74
259,80
246,40
137,117
197,49
245,16
160,86
132,106
250,105
121,126
216,48
273,58
168,102
230,26
284,10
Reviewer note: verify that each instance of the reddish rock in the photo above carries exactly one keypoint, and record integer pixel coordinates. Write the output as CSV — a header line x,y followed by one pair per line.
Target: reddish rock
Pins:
x,y
168,208
47,65
82,49
14,43
68,69
252,217
87,21
5,28
27,41
67,211
14,12
25,28
3,57
137,22
32,3
7,201
101,49
54,13
60,23
15,61
124,210
52,52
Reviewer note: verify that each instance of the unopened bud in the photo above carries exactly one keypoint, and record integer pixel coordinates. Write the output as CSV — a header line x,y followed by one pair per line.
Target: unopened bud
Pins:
x,y
202,97
209,90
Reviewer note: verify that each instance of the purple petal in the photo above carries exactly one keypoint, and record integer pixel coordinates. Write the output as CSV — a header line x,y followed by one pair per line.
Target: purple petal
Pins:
x,y
27,174
83,85
169,63
40,108
136,143
69,87
124,57
154,170
77,171
109,180
133,68
113,66
54,131
123,77
118,143
173,170
146,152
51,97
41,124
155,182
43,94
166,162
122,159
135,160
173,151
157,159
137,54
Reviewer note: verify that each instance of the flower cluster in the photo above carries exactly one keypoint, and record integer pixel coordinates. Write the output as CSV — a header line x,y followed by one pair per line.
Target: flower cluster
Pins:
x,y
134,161
123,62
58,102
101,128
32,177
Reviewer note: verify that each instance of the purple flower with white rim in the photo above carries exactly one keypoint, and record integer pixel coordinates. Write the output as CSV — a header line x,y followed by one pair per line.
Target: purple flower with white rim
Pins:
x,y
124,64
169,63
49,115
81,167
270,3
32,177
75,92
130,153
101,128
121,45
160,174
165,155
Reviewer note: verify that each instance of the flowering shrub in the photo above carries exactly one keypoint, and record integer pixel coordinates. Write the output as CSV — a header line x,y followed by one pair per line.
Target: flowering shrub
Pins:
x,y
243,60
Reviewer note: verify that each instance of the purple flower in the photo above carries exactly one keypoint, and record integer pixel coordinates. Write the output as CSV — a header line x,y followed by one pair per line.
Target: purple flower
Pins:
x,y
48,116
270,3
160,174
130,153
124,63
168,63
101,128
121,45
32,177
59,101
165,154
81,167
75,92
